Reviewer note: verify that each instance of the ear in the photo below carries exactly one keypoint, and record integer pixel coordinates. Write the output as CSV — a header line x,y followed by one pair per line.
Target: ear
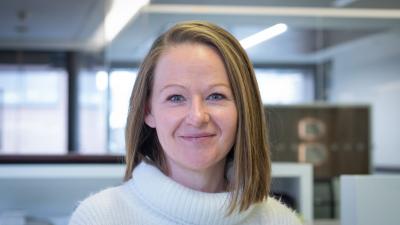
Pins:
x,y
149,118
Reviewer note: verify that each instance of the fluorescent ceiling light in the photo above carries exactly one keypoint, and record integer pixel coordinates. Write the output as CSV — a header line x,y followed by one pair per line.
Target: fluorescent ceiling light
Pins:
x,y
343,3
121,12
263,35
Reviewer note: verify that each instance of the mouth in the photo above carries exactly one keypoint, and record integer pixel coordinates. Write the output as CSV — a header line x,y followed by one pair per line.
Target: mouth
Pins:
x,y
199,136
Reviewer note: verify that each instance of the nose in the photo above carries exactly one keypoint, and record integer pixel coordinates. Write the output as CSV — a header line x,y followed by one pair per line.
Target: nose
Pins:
x,y
198,113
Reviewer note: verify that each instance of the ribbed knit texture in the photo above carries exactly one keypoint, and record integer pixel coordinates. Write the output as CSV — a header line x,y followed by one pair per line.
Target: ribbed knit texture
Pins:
x,y
150,197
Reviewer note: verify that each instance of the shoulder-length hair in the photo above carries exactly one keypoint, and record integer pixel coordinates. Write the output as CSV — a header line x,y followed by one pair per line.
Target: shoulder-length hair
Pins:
x,y
250,182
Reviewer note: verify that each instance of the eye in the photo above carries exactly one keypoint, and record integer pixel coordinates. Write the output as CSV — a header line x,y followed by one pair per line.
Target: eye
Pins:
x,y
216,97
176,98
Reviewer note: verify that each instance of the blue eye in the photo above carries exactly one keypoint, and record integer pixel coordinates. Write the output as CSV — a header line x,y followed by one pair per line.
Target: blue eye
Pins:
x,y
216,97
176,98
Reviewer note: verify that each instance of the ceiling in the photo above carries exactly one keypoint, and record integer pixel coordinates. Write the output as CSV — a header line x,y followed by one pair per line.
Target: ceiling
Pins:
x,y
314,26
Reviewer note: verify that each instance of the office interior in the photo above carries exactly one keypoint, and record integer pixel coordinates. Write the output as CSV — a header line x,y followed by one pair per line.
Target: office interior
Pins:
x,y
329,78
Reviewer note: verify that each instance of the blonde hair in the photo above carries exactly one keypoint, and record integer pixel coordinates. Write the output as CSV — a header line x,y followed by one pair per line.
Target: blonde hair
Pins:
x,y
250,153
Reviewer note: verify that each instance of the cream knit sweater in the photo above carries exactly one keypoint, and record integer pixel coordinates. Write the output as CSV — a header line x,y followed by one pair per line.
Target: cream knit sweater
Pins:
x,y
153,198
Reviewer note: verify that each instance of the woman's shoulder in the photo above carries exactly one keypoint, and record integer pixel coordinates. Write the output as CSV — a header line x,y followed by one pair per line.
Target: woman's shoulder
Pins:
x,y
106,196
98,208
276,212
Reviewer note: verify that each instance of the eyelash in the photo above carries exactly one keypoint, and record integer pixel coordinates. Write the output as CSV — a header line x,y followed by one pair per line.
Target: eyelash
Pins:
x,y
173,98
211,97
219,95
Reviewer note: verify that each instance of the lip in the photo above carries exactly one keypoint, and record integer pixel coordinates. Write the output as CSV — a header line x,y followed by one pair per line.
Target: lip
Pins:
x,y
197,135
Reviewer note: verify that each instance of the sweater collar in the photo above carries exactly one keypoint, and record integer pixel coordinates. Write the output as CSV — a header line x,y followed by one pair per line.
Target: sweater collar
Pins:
x,y
179,203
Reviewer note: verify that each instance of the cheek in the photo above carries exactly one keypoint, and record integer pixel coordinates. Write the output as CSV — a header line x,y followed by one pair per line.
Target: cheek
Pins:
x,y
166,121
228,121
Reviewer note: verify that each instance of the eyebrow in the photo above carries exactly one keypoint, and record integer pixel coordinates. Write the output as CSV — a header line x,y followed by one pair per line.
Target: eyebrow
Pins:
x,y
171,85
221,84
183,87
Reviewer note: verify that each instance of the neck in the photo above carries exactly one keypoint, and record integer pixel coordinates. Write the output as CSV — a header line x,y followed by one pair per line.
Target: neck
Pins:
x,y
211,180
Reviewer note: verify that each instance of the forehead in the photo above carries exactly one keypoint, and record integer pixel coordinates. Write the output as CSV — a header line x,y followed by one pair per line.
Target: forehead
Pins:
x,y
189,51
190,61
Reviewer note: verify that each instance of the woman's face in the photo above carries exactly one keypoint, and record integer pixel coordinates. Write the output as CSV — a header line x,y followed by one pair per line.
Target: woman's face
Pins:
x,y
192,108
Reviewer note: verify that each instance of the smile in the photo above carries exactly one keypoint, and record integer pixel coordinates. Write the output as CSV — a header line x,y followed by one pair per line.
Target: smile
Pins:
x,y
197,137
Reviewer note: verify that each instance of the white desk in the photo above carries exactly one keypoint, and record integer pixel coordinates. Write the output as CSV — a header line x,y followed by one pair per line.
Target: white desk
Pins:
x,y
53,190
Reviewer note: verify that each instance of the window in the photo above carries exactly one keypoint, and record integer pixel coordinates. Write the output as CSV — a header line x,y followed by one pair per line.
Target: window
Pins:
x,y
32,109
34,104
103,107
285,86
92,100
121,84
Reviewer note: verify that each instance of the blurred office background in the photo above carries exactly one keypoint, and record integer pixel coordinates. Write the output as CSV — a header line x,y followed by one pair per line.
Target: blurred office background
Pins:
x,y
330,80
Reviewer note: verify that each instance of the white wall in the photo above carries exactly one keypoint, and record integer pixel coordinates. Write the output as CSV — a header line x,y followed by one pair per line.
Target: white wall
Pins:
x,y
368,71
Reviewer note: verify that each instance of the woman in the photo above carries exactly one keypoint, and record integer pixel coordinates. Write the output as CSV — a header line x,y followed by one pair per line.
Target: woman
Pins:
x,y
196,139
